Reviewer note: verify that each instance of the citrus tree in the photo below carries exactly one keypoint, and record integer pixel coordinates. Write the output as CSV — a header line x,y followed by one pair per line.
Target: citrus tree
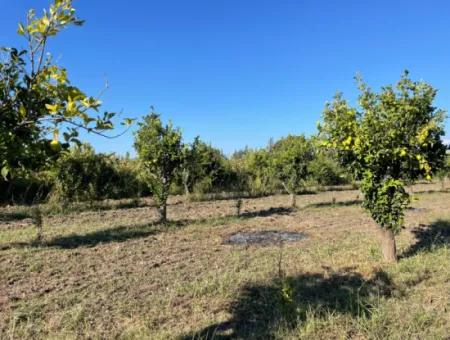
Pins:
x,y
393,138
291,158
444,172
205,169
256,166
202,165
37,99
160,151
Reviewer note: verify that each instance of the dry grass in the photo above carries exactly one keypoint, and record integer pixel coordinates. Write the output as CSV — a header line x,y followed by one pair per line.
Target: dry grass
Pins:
x,y
113,274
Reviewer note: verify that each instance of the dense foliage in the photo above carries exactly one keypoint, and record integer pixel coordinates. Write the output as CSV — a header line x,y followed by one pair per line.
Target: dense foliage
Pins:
x,y
205,169
325,170
444,172
255,170
292,157
27,187
77,174
83,175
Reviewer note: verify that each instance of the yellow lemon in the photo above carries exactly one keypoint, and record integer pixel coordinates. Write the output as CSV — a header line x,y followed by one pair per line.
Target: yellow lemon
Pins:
x,y
54,144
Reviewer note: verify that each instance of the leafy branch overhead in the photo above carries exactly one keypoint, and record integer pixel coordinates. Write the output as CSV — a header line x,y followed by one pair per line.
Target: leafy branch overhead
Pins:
x,y
37,98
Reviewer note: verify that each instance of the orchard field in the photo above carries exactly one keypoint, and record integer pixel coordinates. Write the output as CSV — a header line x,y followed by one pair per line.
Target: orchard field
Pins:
x,y
111,272
122,224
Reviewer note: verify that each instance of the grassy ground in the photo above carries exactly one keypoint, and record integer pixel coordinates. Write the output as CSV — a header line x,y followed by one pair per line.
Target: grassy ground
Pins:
x,y
113,274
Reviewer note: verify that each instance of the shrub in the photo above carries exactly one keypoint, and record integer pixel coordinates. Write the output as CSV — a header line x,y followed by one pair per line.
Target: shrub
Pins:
x,y
83,175
327,171
26,188
292,156
255,170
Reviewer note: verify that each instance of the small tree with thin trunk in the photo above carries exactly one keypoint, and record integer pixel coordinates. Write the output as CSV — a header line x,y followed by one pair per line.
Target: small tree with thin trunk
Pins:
x,y
160,152
394,138
291,157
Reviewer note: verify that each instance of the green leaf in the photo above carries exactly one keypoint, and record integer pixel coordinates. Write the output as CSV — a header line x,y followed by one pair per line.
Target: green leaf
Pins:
x,y
128,121
21,29
5,172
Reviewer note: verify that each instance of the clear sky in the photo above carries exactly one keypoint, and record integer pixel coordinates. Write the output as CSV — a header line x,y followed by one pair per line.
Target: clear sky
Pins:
x,y
237,72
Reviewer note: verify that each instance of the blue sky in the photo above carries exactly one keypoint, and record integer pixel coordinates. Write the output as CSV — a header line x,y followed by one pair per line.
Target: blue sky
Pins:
x,y
240,72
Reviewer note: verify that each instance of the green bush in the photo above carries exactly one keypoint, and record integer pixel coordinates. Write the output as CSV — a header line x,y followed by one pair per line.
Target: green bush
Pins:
x,y
206,169
254,171
83,175
26,188
326,171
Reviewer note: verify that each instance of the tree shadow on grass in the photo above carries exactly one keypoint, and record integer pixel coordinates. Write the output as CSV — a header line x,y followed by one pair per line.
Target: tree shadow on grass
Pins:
x,y
13,216
429,237
80,207
124,233
267,212
432,191
334,204
219,220
117,234
262,307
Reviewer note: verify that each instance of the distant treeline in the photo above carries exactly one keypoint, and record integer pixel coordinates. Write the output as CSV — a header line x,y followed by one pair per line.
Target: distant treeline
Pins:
x,y
81,174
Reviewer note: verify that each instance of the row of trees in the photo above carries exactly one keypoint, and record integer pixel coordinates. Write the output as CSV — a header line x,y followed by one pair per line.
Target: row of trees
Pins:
x,y
361,142
79,174
391,139
286,164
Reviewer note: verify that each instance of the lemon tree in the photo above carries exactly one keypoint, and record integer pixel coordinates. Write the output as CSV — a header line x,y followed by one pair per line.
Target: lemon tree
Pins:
x,y
392,138
291,158
160,152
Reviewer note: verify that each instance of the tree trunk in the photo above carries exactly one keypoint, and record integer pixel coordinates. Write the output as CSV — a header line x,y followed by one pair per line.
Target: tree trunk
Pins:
x,y
293,199
186,193
238,207
388,246
162,210
185,175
